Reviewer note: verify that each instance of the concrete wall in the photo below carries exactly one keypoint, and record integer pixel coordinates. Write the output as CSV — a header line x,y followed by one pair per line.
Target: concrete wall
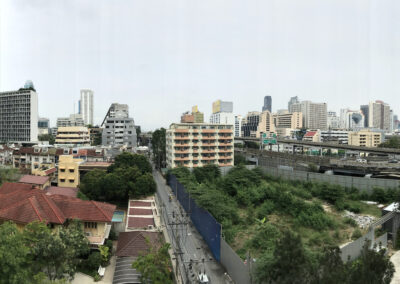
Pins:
x,y
235,266
353,250
363,184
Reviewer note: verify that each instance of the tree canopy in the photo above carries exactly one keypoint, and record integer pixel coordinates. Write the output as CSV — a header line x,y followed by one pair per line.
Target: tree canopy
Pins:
x,y
35,253
129,176
158,144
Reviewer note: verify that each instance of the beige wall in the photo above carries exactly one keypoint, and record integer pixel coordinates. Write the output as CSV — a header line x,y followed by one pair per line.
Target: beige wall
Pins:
x,y
288,120
266,124
365,138
68,171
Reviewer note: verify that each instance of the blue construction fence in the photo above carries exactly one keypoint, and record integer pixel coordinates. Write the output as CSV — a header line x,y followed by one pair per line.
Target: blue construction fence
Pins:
x,y
204,222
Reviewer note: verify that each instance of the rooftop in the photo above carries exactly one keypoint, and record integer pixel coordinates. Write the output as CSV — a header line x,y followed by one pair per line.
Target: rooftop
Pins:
x,y
30,179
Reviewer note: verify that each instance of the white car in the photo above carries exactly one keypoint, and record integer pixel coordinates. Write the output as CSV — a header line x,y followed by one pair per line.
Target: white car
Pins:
x,y
359,160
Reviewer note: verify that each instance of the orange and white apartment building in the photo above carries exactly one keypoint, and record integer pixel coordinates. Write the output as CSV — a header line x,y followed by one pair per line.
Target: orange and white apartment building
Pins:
x,y
198,144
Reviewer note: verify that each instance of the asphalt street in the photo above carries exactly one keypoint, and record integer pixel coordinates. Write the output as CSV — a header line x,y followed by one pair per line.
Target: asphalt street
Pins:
x,y
192,252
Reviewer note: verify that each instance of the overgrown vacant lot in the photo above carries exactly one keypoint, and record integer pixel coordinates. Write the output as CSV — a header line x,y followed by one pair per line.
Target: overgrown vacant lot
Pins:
x,y
255,209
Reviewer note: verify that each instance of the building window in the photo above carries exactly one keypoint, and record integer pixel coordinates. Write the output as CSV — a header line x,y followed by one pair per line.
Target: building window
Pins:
x,y
71,170
71,180
90,225
62,170
62,180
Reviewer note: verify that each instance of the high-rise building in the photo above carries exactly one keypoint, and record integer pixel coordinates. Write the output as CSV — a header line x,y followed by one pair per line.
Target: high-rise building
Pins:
x,y
266,124
267,104
351,119
292,101
221,106
333,120
43,126
315,115
198,144
365,111
238,125
250,124
379,115
86,106
73,120
19,114
288,120
119,128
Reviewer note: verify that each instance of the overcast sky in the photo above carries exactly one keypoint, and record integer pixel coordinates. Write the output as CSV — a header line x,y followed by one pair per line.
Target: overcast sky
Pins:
x,y
161,57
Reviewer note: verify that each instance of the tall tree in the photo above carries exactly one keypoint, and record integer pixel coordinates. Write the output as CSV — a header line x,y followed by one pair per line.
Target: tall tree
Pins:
x,y
158,143
14,263
47,137
154,265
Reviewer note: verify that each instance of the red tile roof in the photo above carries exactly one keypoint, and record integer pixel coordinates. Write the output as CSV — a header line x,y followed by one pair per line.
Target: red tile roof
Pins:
x,y
135,243
23,204
140,204
310,133
50,171
139,211
67,191
34,179
138,222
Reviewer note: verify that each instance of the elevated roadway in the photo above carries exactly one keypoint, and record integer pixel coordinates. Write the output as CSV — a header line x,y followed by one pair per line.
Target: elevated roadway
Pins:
x,y
329,145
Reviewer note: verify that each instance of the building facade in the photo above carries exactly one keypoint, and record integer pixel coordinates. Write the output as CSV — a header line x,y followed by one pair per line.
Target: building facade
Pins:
x,y
365,138
315,115
379,115
119,128
19,115
222,106
351,119
198,144
86,106
238,125
267,104
250,124
292,101
333,120
266,124
73,120
335,136
365,111
68,171
73,135
288,120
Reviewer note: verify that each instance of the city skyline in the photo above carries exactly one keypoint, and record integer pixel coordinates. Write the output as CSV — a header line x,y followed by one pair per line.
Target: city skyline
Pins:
x,y
191,54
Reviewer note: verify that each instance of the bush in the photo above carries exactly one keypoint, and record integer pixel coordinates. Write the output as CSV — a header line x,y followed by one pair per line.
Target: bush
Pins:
x,y
94,261
356,234
350,222
331,193
97,278
379,195
314,220
265,209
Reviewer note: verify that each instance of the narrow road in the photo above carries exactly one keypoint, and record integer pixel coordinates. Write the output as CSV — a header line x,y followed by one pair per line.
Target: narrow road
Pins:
x,y
187,243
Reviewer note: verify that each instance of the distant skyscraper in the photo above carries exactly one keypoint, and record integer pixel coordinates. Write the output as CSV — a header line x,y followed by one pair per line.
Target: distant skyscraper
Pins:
x,y
379,115
86,106
292,101
315,115
267,104
19,115
365,110
221,106
333,120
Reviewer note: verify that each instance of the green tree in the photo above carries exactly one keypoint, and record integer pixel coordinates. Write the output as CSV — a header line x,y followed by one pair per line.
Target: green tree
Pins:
x,y
154,265
393,142
47,137
289,263
14,260
91,185
127,159
56,253
208,173
371,267
8,175
158,144
144,185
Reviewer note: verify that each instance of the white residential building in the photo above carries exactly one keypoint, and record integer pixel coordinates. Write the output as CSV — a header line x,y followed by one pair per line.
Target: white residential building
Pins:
x,y
315,115
238,125
86,106
351,119
379,115
19,115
